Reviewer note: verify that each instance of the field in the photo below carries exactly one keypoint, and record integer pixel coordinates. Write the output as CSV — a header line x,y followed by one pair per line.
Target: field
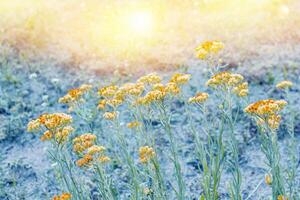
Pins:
x,y
150,100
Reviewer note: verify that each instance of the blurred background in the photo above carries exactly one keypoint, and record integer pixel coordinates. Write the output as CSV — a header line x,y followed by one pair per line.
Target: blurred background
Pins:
x,y
105,35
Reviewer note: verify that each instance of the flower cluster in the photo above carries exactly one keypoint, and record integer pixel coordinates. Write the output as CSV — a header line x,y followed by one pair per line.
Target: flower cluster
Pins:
x,y
75,94
84,145
133,124
149,79
146,153
179,79
63,196
207,48
199,98
282,197
160,91
226,80
284,85
266,112
56,125
110,115
83,142
108,91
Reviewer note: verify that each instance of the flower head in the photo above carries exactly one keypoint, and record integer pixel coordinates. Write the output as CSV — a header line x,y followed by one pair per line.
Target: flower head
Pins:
x,y
108,91
75,94
110,115
199,98
268,179
133,124
180,78
266,112
63,196
208,48
83,142
149,79
146,153
284,85
282,197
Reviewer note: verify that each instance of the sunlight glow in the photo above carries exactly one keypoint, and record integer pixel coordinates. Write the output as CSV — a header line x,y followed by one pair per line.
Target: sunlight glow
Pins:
x,y
141,23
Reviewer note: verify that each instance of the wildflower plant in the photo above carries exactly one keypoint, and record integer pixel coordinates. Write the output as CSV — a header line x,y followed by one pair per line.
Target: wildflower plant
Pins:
x,y
56,129
92,156
266,115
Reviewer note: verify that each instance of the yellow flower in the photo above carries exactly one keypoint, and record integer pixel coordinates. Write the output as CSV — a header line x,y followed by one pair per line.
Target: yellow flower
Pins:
x,y
46,136
104,159
146,153
108,91
282,197
266,112
114,102
134,89
50,121
149,79
208,47
85,87
33,125
241,90
62,134
172,88
86,160
110,115
265,107
274,121
95,149
268,179
75,94
199,98
225,79
83,142
101,104
64,196
133,124
180,78
201,54
284,85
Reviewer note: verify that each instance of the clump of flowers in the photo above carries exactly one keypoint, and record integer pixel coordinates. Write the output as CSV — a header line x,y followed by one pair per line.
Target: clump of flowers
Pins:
x,y
229,81
110,115
108,91
149,79
266,112
74,95
160,91
284,85
85,147
56,125
180,79
199,98
132,89
63,196
133,124
83,142
146,153
207,48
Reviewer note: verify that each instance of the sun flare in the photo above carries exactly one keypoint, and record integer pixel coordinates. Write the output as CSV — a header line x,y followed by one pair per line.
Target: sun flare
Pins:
x,y
141,23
